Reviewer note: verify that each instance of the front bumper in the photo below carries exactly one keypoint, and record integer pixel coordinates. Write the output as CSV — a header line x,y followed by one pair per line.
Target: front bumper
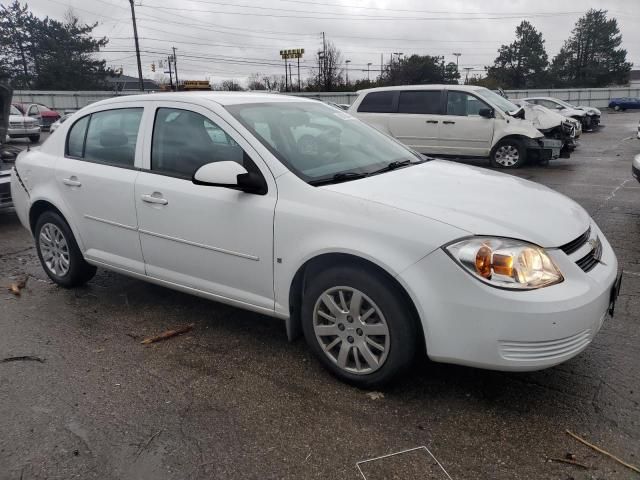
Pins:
x,y
19,132
5,189
543,149
470,323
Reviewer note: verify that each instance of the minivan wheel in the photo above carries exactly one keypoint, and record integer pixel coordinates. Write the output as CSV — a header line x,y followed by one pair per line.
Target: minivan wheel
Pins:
x,y
358,325
508,153
59,253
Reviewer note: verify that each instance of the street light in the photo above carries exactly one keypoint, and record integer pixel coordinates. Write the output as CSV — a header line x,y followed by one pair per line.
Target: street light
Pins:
x,y
457,58
368,65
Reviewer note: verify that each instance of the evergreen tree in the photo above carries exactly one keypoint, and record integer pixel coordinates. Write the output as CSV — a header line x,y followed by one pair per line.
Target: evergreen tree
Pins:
x,y
591,57
523,63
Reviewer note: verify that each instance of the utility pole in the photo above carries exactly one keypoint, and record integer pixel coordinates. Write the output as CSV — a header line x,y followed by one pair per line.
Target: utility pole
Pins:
x,y
347,62
135,37
381,63
175,67
170,73
368,77
286,76
324,61
299,89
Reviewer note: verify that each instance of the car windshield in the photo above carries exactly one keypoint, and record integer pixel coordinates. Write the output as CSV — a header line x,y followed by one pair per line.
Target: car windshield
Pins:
x,y
496,100
15,111
562,102
318,142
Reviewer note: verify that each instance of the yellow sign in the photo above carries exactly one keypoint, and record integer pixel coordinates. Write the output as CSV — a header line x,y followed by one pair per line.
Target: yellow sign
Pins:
x,y
292,53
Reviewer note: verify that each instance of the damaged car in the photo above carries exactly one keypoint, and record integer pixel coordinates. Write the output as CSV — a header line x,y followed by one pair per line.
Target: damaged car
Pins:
x,y
552,125
458,121
588,116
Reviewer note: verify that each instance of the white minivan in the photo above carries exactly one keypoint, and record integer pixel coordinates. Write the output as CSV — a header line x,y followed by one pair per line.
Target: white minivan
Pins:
x,y
295,209
457,121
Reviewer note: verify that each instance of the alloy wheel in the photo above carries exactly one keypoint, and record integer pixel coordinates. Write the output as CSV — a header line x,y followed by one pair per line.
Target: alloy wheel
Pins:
x,y
54,249
351,330
507,155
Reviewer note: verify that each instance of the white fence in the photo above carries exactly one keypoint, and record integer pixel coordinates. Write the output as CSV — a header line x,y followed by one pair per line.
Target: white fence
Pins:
x,y
71,101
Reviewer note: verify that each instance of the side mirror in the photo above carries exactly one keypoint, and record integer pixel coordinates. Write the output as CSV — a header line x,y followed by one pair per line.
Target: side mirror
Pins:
x,y
231,175
486,112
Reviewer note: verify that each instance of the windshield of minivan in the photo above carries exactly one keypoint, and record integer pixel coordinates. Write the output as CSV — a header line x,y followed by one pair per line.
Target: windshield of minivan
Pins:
x,y
496,100
318,142
15,111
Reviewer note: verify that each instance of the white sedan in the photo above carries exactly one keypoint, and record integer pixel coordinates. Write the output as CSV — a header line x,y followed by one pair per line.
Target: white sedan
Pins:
x,y
371,251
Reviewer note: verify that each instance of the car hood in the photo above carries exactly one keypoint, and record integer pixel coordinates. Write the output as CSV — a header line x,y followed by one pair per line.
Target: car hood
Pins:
x,y
541,117
590,110
480,201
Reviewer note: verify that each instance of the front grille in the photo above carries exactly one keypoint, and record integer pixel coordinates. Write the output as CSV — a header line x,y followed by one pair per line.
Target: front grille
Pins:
x,y
5,193
574,245
16,124
592,258
544,350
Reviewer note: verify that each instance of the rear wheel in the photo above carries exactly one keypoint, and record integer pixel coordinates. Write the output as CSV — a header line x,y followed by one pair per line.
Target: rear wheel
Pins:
x,y
358,325
509,153
59,253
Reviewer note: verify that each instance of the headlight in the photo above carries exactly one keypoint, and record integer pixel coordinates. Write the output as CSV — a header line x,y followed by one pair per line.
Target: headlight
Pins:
x,y
505,263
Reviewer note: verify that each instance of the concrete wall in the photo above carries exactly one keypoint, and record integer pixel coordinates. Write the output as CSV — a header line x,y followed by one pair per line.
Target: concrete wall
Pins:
x,y
71,101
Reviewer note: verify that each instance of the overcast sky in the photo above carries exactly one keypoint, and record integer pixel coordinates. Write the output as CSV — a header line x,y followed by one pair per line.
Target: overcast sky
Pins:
x,y
218,39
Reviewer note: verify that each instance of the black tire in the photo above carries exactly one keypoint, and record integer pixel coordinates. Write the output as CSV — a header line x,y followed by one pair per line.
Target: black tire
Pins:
x,y
497,161
79,271
34,138
401,324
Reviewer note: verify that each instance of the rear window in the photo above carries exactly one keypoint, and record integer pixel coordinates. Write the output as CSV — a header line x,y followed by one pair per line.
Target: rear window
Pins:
x,y
378,102
425,102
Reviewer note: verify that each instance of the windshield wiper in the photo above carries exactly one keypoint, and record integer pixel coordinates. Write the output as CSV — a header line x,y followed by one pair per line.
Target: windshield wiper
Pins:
x,y
394,165
339,177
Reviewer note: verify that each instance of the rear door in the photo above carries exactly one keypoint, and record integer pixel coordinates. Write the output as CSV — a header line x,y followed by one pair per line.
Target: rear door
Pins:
x,y
464,132
418,120
97,178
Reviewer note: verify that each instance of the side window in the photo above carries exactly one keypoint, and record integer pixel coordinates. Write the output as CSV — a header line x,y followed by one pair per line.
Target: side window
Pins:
x,y
112,136
33,111
425,102
75,139
463,104
183,141
378,102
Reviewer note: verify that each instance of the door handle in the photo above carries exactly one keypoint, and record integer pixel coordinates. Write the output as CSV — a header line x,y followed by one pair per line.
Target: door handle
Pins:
x,y
154,199
433,121
448,122
72,181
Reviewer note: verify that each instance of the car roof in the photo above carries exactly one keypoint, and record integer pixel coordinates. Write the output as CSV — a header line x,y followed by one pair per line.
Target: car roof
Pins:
x,y
464,88
222,98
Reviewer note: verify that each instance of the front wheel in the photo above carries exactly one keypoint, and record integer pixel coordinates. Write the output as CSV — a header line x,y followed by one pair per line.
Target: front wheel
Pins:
x,y
508,153
58,251
358,325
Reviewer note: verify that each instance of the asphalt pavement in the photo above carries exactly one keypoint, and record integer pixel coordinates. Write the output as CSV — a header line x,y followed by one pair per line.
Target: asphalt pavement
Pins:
x,y
232,399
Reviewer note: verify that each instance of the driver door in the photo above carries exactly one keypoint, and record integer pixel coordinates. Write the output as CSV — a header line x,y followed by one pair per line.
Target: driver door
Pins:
x,y
208,239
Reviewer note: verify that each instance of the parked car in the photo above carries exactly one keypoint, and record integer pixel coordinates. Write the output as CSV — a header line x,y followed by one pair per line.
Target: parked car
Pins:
x,y
42,113
59,122
552,125
455,120
624,103
21,126
368,249
588,116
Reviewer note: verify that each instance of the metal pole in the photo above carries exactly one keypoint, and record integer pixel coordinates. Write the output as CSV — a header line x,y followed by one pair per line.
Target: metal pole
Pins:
x,y
135,37
290,77
368,77
175,68
170,75
286,76
324,60
347,62
299,88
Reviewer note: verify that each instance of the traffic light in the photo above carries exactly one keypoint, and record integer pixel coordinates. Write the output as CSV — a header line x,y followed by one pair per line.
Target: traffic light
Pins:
x,y
153,67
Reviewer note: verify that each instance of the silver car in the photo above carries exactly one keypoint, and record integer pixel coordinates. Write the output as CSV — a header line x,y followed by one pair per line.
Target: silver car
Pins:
x,y
21,126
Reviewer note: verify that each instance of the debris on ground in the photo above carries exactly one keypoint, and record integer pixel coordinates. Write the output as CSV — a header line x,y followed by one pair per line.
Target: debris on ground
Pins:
x,y
23,358
375,395
570,462
604,452
168,334
17,286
